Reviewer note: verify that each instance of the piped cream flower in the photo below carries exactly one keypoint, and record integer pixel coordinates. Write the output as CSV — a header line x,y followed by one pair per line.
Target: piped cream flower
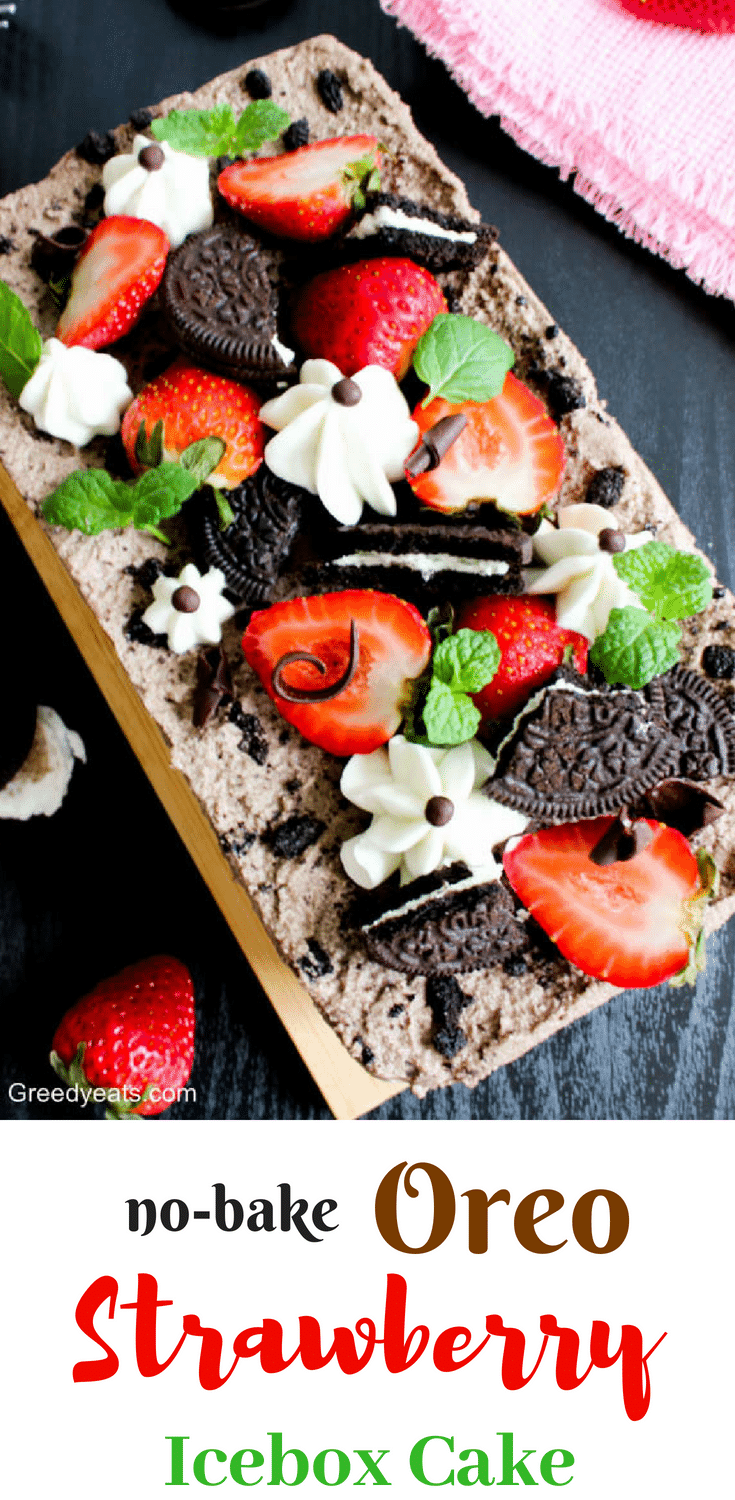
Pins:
x,y
427,811
579,567
189,609
343,439
167,187
76,393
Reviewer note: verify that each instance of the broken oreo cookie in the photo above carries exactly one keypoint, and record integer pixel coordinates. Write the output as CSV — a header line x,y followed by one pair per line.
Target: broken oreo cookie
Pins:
x,y
392,225
698,718
447,923
253,550
425,565
578,752
220,305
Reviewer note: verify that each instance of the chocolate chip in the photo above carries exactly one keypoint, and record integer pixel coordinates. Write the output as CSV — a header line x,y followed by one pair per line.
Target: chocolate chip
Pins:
x,y
257,84
606,486
367,1056
253,741
296,834
297,135
151,157
6,245
624,839
439,811
97,148
140,119
610,540
213,685
683,805
346,392
719,661
330,90
316,963
239,843
186,600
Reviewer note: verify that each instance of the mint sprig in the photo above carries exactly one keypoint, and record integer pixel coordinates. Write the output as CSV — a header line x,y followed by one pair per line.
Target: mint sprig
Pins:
x,y
91,501
461,359
20,341
635,647
217,132
462,664
671,584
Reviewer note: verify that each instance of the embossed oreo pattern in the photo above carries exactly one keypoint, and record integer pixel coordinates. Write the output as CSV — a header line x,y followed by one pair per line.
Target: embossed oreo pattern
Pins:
x,y
701,723
253,550
451,934
218,299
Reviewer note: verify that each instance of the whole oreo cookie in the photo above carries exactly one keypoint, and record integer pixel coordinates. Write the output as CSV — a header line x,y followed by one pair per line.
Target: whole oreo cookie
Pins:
x,y
220,305
19,728
701,724
253,550
443,924
392,225
580,752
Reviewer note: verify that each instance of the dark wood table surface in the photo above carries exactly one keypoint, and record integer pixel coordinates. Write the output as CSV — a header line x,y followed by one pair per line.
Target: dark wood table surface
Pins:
x,y
107,880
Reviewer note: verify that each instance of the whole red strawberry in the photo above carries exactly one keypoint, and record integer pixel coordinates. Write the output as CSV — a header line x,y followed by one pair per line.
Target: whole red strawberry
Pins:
x,y
531,643
193,403
132,1035
370,313
697,15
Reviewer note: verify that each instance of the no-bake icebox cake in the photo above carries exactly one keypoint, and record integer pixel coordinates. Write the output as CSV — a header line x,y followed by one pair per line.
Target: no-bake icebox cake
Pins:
x,y
436,655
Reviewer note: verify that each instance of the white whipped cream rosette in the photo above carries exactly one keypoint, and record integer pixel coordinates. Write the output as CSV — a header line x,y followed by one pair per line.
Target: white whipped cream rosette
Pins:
x,y
40,786
174,194
344,440
579,571
427,812
76,393
190,609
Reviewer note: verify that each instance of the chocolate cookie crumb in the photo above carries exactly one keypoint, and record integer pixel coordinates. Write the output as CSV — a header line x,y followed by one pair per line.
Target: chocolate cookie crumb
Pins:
x,y
329,89
606,486
552,331
239,843
316,963
521,301
97,147
296,834
718,591
395,1010
257,84
6,245
719,662
563,393
142,635
367,1056
253,742
296,135
515,965
140,119
145,573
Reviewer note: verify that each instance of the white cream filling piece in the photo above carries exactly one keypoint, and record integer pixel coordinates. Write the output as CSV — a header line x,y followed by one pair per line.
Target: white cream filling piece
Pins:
x,y
385,217
427,564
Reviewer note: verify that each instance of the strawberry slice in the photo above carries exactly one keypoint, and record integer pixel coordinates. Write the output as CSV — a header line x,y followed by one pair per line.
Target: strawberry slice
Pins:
x,y
192,404
509,452
116,274
305,194
370,313
339,666
531,643
634,922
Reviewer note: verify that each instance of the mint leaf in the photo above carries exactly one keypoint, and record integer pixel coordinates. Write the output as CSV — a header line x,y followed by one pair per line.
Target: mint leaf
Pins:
x,y
202,457
20,341
160,494
90,501
216,132
261,121
461,359
635,647
669,583
467,661
449,718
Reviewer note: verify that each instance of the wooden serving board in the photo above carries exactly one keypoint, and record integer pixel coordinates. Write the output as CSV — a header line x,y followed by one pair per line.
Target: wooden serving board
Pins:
x,y
348,1089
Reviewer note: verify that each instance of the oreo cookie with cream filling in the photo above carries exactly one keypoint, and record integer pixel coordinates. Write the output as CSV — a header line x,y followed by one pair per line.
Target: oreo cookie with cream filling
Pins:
x,y
577,751
425,565
450,922
392,225
254,548
220,306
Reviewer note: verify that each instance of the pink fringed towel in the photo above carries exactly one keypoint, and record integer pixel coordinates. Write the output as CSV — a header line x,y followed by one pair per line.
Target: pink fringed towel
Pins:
x,y
642,115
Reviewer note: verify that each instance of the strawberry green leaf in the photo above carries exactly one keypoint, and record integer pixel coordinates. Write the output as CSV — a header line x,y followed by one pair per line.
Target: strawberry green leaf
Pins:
x,y
20,342
449,717
696,910
360,177
461,359
224,509
635,647
149,450
201,458
671,584
216,132
467,661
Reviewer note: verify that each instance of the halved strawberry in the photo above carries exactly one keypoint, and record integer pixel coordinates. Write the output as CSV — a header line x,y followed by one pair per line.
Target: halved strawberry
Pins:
x,y
117,273
193,404
634,922
305,194
531,643
370,313
509,452
308,645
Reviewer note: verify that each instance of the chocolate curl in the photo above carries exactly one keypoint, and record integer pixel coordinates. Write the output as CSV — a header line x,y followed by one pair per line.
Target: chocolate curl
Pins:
x,y
316,695
55,255
213,685
625,838
435,444
683,805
